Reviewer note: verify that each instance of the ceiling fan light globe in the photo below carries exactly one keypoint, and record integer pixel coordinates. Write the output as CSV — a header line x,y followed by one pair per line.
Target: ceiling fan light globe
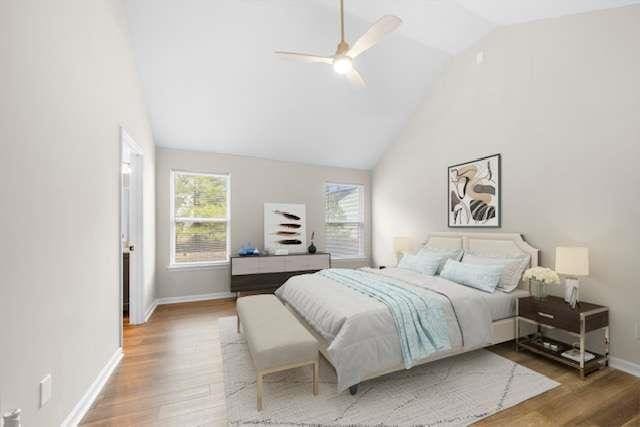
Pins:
x,y
342,64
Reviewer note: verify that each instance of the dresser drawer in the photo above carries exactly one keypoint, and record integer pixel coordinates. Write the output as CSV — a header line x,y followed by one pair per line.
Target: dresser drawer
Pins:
x,y
247,265
307,262
271,264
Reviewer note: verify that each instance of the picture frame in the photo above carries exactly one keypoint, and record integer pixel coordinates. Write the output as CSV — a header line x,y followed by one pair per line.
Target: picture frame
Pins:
x,y
474,193
285,228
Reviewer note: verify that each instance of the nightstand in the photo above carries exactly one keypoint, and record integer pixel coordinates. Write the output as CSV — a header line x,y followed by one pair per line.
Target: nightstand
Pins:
x,y
553,312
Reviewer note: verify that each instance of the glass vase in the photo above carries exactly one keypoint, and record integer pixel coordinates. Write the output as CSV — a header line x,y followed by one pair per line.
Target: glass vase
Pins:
x,y
538,289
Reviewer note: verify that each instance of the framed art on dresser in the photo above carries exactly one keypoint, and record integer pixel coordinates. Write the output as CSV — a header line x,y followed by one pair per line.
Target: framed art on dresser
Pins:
x,y
474,193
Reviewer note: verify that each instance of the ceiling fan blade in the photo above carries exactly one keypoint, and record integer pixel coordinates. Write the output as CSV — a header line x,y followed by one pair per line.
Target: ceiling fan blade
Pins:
x,y
355,78
305,57
374,34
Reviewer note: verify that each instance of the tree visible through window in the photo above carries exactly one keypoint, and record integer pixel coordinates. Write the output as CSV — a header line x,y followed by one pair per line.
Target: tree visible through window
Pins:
x,y
200,218
344,220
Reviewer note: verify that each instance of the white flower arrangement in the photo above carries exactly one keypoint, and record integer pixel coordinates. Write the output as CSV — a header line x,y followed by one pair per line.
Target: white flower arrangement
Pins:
x,y
542,274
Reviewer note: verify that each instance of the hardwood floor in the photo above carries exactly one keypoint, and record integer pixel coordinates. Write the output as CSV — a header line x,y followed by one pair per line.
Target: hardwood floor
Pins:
x,y
171,375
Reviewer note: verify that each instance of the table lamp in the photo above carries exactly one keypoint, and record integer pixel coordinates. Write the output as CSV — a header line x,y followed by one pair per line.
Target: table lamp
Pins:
x,y
400,245
572,262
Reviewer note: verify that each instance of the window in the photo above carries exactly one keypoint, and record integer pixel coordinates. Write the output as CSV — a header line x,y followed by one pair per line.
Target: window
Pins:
x,y
199,218
344,220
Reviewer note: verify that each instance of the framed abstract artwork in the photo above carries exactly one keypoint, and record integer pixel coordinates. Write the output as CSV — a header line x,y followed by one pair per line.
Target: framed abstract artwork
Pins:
x,y
474,189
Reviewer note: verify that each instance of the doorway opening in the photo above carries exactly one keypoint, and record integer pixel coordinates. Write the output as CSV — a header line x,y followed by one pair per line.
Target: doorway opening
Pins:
x,y
130,250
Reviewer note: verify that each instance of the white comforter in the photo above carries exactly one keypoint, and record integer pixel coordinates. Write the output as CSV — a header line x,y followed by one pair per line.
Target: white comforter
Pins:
x,y
360,331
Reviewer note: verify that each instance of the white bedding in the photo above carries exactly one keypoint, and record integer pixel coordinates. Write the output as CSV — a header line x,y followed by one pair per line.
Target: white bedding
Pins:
x,y
360,331
503,304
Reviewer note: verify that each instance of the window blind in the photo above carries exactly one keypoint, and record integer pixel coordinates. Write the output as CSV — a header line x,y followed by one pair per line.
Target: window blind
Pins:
x,y
200,218
344,220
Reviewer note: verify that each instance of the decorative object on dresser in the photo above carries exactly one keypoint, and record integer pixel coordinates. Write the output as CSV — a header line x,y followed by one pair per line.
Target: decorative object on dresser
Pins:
x,y
268,272
284,228
248,250
312,248
401,245
474,193
554,313
572,262
539,278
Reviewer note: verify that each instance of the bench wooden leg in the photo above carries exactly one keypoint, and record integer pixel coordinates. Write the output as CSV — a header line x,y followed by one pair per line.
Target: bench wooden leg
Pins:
x,y
259,391
316,374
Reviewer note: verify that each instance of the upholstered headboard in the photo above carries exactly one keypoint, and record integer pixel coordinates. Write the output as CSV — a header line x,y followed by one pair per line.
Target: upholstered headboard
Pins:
x,y
486,243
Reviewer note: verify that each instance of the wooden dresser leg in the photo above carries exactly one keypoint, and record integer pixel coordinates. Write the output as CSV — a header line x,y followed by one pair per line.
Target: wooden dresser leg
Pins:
x,y
259,391
316,375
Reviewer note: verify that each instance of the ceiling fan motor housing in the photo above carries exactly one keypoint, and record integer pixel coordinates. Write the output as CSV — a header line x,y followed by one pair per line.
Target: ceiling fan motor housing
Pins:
x,y
343,48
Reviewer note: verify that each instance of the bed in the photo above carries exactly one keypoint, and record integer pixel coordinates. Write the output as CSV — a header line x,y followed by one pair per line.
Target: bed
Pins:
x,y
357,334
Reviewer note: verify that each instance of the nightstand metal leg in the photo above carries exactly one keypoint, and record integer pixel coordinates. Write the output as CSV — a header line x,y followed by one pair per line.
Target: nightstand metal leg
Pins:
x,y
582,343
606,346
517,326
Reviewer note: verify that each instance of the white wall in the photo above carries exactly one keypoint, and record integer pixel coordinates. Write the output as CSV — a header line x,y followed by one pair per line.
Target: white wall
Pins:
x,y
560,99
68,82
254,181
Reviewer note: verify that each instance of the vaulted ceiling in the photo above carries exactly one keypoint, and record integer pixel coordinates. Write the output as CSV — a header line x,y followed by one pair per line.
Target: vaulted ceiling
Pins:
x,y
211,81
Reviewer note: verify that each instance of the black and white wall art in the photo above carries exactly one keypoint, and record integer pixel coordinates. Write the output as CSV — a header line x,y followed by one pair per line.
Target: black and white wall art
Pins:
x,y
284,228
474,193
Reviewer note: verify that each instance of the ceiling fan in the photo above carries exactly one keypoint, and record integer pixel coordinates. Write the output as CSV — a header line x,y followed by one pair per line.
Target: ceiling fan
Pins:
x,y
342,61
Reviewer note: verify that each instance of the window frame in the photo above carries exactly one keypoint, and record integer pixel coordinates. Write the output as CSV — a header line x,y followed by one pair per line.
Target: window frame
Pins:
x,y
172,222
362,252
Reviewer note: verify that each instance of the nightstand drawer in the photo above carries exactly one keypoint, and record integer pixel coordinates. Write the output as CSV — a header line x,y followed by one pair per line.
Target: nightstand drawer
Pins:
x,y
550,314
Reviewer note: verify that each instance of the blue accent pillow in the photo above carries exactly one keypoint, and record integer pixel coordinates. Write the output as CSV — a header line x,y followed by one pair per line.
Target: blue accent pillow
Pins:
x,y
482,277
421,263
442,254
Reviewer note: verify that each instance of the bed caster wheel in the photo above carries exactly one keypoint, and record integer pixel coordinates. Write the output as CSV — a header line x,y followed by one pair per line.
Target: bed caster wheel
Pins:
x,y
353,389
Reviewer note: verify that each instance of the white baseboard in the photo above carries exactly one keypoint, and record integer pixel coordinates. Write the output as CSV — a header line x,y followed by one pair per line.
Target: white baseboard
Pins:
x,y
150,310
83,406
192,298
625,365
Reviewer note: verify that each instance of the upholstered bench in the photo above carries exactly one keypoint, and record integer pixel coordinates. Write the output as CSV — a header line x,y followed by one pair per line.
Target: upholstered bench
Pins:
x,y
276,340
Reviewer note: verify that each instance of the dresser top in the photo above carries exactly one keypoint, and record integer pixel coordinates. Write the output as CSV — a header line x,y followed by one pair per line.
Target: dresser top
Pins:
x,y
272,256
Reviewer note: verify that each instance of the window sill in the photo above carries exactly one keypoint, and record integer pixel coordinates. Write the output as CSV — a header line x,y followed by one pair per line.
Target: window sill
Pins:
x,y
209,266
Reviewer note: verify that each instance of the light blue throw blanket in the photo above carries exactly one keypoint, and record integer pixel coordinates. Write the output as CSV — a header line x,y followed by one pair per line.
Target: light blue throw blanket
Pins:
x,y
418,316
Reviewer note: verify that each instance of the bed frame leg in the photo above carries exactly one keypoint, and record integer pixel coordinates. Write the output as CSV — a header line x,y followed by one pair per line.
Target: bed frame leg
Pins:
x,y
353,389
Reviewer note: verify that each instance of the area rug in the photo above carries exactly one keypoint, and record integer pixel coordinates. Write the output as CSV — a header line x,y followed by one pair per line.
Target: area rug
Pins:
x,y
455,391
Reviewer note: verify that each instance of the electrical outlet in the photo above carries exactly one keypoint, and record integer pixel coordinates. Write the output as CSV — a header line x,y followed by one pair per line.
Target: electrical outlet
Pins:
x,y
45,390
479,57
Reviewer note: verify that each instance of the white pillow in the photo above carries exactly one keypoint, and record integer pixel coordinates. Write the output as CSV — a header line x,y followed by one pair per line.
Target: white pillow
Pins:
x,y
422,263
482,277
442,254
514,267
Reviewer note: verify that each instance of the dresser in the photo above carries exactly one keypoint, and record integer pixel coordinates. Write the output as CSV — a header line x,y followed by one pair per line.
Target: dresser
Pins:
x,y
268,272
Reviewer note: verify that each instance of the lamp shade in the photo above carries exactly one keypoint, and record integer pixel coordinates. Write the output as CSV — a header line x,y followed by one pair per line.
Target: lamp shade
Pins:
x,y
401,244
572,261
